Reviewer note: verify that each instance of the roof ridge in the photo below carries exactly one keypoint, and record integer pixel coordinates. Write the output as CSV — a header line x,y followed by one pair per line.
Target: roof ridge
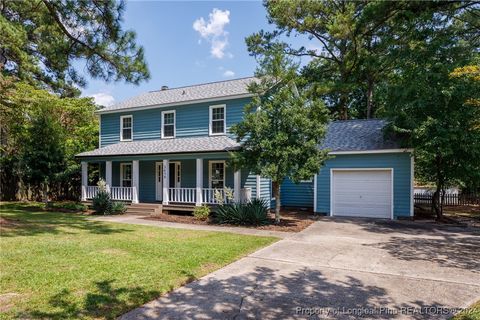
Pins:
x,y
202,84
363,120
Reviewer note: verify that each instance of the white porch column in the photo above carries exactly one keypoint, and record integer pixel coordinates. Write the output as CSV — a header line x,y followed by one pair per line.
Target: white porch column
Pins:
x,y
236,185
257,187
108,173
199,184
166,180
135,181
84,180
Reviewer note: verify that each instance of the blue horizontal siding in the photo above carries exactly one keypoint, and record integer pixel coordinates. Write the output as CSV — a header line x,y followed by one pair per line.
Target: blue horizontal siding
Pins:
x,y
191,120
296,194
400,162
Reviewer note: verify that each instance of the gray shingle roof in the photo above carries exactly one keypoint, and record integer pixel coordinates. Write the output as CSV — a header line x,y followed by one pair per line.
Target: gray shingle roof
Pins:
x,y
221,89
178,145
357,135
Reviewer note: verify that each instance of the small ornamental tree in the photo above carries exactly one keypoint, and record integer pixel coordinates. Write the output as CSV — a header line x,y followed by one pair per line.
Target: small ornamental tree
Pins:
x,y
282,126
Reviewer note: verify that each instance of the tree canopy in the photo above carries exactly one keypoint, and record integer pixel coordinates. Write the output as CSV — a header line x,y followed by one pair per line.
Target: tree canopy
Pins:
x,y
41,40
282,126
353,44
40,135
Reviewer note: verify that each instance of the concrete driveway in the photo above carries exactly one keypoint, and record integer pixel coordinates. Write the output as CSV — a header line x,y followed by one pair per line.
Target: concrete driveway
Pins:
x,y
338,268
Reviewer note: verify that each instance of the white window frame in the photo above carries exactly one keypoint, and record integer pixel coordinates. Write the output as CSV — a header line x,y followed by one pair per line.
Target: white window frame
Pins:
x,y
210,172
224,106
174,124
121,127
122,165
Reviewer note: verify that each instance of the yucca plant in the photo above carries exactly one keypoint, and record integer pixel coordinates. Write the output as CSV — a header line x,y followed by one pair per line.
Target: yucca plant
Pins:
x,y
251,213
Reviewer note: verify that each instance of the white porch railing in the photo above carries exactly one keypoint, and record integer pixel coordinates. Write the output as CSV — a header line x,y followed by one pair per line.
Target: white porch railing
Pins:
x,y
122,193
91,191
116,193
183,195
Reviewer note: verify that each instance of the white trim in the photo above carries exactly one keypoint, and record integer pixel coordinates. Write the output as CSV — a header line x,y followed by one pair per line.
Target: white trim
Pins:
x,y
99,130
121,173
165,180
315,193
199,180
361,169
173,104
237,180
121,127
257,186
224,106
174,124
84,166
158,174
108,173
412,188
135,180
371,151
210,162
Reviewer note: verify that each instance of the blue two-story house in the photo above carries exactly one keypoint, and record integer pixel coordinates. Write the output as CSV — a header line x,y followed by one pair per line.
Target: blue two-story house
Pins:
x,y
172,146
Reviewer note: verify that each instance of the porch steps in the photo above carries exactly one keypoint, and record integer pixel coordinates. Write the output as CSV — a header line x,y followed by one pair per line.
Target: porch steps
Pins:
x,y
144,209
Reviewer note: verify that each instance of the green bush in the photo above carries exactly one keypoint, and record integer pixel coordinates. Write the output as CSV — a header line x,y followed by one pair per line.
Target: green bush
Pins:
x,y
102,203
202,212
254,212
118,208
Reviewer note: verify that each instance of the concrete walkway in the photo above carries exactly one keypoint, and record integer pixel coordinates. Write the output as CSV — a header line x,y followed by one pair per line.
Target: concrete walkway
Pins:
x,y
135,219
338,269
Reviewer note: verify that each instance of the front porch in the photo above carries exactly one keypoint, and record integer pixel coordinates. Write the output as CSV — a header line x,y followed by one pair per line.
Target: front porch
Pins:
x,y
181,180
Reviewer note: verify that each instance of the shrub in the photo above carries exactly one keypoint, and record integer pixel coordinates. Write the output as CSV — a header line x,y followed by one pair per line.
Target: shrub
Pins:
x,y
254,212
202,212
102,203
118,208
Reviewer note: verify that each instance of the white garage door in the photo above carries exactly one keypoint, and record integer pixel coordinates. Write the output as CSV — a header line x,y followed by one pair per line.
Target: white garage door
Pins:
x,y
362,193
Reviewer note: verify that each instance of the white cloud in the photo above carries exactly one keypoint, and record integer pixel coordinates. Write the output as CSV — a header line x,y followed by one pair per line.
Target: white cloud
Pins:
x,y
103,99
228,73
214,31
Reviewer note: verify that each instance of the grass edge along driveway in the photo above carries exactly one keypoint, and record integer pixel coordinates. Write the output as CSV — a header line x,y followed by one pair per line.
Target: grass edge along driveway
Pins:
x,y
63,265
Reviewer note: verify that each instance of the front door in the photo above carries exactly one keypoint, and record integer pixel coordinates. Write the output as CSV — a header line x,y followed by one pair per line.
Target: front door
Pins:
x,y
174,178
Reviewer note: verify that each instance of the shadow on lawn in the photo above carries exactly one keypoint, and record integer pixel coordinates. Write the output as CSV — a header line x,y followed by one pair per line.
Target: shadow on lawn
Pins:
x,y
107,302
266,294
28,220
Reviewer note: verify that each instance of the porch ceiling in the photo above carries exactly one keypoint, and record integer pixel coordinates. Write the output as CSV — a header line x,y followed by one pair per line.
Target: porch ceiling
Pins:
x,y
166,146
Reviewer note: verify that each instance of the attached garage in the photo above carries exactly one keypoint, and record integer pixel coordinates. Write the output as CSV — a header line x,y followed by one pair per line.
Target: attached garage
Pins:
x,y
369,174
362,192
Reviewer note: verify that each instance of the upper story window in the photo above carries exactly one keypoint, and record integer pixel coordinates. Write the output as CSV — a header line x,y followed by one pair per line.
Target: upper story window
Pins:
x,y
168,124
217,120
126,128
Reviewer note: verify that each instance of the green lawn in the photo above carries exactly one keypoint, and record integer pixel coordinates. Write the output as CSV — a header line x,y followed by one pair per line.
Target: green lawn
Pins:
x,y
60,265
473,313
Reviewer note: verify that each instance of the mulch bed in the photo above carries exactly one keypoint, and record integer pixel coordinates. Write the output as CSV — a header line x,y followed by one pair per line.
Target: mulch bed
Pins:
x,y
462,215
291,221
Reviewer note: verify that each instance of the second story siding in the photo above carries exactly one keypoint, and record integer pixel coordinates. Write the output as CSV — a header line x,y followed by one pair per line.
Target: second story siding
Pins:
x,y
190,120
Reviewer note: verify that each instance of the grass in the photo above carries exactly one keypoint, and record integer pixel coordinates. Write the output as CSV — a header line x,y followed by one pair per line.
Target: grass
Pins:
x,y
472,313
64,265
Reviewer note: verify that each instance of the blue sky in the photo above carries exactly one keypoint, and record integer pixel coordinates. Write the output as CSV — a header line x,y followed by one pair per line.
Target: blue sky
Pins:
x,y
187,42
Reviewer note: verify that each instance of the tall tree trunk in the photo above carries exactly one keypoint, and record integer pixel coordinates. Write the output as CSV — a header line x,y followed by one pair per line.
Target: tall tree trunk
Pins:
x,y
370,86
276,194
437,200
342,107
